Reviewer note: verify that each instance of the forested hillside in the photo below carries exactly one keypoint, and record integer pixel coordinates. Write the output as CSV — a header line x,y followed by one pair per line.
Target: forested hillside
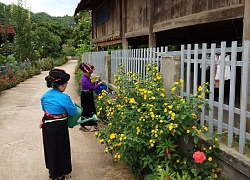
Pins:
x,y
65,21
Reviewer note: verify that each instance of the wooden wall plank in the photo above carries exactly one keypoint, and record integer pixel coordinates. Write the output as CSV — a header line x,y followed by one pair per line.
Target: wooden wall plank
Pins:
x,y
227,13
168,9
175,11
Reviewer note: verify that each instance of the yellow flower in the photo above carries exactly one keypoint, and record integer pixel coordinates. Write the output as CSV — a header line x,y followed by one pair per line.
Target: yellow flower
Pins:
x,y
101,140
188,131
194,115
173,89
170,107
170,127
181,80
152,144
165,110
161,121
106,150
216,139
132,101
162,95
112,136
161,131
118,144
200,88
156,135
138,110
210,159
215,176
176,83
177,160
96,133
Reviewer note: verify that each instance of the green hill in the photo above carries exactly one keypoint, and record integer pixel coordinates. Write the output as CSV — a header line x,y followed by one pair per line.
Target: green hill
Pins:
x,y
42,17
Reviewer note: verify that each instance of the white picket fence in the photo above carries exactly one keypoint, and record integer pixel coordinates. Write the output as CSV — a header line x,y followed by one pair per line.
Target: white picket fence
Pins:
x,y
229,112
135,60
97,59
230,117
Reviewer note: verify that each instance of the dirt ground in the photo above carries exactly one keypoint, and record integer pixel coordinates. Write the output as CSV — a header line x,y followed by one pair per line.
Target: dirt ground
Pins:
x,y
21,145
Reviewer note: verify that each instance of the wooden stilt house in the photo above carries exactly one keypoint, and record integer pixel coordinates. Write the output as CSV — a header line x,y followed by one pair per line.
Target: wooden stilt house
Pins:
x,y
163,22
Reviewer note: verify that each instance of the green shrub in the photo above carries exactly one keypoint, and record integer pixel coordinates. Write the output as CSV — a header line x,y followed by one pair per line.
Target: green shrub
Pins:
x,y
69,51
145,125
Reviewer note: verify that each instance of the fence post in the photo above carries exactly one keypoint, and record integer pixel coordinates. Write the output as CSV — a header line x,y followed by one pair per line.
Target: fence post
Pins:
x,y
107,66
171,68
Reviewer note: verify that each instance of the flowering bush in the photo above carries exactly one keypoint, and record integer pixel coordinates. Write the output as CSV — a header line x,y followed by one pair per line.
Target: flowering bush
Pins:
x,y
13,72
145,125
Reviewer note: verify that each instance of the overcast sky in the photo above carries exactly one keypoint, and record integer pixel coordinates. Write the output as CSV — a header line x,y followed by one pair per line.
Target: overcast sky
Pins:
x,y
51,7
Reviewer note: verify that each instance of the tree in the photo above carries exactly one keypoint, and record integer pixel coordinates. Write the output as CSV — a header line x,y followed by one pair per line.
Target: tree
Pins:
x,y
20,19
82,32
46,43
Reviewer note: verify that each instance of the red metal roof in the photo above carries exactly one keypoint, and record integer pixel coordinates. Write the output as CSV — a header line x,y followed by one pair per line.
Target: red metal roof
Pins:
x,y
7,29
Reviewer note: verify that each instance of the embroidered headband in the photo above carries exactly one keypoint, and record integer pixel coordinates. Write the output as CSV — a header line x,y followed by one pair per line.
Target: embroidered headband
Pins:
x,y
86,67
57,76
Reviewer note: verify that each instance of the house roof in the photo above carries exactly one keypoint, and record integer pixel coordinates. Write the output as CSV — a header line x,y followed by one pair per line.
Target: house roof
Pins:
x,y
86,5
7,29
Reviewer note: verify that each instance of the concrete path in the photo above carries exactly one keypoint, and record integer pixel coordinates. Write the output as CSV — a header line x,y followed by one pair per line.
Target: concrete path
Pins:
x,y
21,145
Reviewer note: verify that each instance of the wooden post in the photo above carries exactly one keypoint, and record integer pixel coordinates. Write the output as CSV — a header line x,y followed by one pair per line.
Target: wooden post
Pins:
x,y
246,36
124,24
107,64
151,35
246,21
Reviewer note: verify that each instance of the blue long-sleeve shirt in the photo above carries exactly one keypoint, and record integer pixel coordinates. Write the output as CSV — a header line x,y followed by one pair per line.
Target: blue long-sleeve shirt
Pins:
x,y
87,84
57,102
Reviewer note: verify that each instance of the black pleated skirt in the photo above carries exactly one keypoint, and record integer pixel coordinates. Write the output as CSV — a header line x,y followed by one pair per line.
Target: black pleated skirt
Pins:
x,y
57,148
88,105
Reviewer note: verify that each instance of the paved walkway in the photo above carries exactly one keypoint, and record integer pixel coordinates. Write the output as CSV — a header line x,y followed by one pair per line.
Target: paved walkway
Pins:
x,y
21,146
